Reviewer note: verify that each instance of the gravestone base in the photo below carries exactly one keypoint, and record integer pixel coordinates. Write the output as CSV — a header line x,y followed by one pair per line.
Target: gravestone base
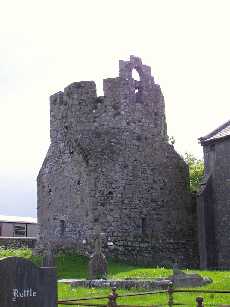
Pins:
x,y
181,279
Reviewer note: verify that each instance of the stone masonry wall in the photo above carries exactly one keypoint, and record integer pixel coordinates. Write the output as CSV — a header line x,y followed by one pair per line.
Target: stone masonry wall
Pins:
x,y
217,155
110,165
11,242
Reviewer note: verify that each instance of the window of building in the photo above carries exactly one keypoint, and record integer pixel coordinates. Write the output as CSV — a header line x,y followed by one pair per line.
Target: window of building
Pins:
x,y
62,227
0,229
20,230
135,74
143,226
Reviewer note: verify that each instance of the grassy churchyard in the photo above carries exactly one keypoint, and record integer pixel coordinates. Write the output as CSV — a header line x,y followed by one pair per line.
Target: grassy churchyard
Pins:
x,y
74,266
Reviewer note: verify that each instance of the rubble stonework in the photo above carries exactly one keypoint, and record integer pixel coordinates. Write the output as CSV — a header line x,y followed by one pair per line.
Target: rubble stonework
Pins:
x,y
110,164
214,200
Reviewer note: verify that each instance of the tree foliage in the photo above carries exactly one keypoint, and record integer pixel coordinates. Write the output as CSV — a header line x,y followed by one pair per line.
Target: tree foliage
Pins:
x,y
196,170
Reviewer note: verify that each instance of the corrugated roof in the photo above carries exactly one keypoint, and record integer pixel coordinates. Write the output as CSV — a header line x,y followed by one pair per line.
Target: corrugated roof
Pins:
x,y
18,219
221,132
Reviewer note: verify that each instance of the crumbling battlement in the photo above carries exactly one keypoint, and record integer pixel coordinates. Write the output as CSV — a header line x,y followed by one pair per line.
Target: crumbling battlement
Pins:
x,y
109,165
126,104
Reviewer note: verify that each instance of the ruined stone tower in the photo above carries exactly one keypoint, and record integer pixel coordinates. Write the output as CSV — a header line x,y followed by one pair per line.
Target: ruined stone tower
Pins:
x,y
110,164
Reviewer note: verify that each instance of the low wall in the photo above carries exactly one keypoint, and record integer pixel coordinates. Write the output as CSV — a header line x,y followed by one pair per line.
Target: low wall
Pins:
x,y
17,242
149,284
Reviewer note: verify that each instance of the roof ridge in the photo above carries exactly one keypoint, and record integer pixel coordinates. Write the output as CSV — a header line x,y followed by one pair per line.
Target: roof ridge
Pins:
x,y
218,129
17,219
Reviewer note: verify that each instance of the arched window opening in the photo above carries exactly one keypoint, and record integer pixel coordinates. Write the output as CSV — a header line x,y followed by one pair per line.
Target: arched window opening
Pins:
x,y
137,85
135,75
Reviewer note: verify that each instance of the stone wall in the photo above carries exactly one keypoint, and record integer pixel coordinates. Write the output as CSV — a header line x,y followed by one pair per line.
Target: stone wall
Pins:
x,y
148,284
110,165
221,191
13,242
206,224
217,202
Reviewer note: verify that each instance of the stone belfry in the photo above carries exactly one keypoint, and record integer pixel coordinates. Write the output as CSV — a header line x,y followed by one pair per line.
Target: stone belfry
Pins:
x,y
110,165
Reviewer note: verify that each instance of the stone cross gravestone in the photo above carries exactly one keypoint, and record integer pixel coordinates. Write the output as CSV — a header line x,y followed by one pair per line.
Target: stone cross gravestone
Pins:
x,y
22,284
98,264
48,257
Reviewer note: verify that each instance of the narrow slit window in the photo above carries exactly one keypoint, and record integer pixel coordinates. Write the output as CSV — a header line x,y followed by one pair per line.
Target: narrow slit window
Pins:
x,y
62,227
143,226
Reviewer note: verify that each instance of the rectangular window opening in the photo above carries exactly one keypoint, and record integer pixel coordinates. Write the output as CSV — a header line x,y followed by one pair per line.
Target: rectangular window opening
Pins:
x,y
20,230
62,227
143,226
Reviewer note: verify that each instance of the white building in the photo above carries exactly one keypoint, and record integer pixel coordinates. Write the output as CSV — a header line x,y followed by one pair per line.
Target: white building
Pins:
x,y
17,226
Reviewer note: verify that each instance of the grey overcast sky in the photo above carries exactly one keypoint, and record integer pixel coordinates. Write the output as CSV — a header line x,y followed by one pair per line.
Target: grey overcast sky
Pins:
x,y
46,45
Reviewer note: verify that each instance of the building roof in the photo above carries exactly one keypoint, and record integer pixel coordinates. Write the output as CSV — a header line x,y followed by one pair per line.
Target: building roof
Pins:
x,y
18,219
219,133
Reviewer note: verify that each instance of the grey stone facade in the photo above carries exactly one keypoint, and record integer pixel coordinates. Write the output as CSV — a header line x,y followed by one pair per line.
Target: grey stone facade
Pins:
x,y
110,164
214,200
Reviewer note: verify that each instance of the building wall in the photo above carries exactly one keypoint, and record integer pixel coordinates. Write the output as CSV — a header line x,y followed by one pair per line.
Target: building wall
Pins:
x,y
221,187
217,163
110,166
8,228
32,230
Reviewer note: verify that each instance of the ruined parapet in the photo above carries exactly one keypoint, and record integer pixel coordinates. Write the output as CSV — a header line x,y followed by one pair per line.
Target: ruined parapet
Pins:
x,y
140,102
127,103
110,163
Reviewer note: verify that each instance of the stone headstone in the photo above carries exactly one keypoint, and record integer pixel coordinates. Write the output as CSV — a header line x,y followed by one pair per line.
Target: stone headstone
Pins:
x,y
22,284
48,258
98,266
98,263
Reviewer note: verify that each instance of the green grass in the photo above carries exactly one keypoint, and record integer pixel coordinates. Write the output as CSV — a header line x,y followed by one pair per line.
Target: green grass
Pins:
x,y
20,252
221,281
75,266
